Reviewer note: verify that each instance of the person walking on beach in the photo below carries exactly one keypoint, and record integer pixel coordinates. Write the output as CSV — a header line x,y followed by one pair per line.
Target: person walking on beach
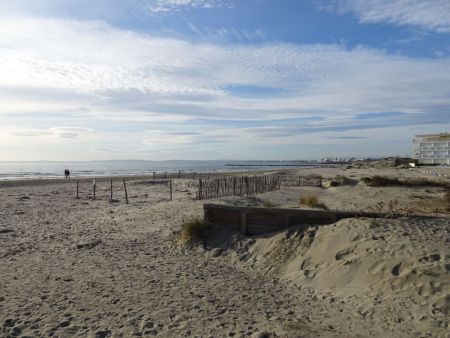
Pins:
x,y
67,173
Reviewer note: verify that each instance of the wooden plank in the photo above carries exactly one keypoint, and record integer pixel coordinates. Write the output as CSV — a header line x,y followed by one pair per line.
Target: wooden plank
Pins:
x,y
230,219
254,220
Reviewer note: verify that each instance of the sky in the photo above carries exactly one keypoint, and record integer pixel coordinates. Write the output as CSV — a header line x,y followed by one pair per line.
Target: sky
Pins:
x,y
221,79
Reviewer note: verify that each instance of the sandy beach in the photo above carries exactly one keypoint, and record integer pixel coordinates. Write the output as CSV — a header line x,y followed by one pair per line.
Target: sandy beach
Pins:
x,y
96,268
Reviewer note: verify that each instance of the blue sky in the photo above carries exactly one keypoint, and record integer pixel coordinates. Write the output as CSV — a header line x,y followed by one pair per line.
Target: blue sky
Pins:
x,y
221,79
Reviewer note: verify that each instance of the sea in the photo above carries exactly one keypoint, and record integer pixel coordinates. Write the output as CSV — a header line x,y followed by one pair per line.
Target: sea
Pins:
x,y
10,170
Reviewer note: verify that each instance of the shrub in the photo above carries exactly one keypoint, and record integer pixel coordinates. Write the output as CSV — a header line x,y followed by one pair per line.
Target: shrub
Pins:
x,y
382,181
366,180
342,180
312,201
192,230
269,204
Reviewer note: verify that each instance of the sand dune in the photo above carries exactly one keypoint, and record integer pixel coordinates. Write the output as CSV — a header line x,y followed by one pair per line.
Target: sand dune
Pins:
x,y
84,268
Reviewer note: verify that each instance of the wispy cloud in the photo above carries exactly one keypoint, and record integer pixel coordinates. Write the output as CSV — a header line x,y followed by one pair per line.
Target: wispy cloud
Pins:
x,y
211,33
191,95
61,132
428,14
158,6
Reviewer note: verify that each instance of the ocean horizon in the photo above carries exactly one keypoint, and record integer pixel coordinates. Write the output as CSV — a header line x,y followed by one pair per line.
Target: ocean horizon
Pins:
x,y
16,170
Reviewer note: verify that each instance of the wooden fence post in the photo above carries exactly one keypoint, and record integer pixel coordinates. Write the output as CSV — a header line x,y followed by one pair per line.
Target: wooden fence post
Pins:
x,y
93,185
111,191
200,190
243,228
77,191
126,193
170,187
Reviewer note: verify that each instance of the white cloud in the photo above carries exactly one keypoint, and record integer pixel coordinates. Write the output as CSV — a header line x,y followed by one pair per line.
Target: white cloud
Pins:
x,y
60,132
158,6
429,14
121,79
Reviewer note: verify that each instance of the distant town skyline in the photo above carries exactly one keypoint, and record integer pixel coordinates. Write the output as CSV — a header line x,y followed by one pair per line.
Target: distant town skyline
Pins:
x,y
221,79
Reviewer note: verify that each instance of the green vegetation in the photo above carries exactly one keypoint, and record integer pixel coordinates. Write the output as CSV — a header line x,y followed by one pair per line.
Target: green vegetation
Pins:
x,y
383,181
312,201
342,180
192,230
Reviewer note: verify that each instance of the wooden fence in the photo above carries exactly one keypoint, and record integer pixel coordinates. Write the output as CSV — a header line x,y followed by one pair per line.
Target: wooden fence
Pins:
x,y
165,175
254,221
237,186
299,181
113,191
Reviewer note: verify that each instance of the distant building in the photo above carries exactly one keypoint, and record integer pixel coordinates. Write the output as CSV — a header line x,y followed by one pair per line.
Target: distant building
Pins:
x,y
432,148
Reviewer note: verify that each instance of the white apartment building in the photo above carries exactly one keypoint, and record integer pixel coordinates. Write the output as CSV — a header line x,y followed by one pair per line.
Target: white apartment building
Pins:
x,y
432,148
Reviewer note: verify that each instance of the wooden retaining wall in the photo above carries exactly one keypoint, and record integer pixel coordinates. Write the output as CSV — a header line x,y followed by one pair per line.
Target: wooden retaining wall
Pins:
x,y
254,221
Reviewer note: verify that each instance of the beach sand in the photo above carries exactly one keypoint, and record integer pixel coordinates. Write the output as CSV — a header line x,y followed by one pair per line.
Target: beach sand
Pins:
x,y
85,268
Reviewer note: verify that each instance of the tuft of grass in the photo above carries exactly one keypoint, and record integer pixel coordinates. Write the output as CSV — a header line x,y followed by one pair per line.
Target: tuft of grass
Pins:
x,y
192,230
269,204
312,201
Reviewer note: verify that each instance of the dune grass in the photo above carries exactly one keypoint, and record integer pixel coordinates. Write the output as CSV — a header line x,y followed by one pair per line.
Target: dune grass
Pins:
x,y
192,230
383,181
312,201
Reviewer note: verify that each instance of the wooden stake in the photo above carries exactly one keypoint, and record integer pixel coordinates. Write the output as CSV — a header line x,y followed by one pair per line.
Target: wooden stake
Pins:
x,y
126,193
170,186
243,227
77,191
200,190
111,191
94,187
246,184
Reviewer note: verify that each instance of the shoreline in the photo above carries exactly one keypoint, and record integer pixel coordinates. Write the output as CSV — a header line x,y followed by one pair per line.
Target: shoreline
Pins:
x,y
52,181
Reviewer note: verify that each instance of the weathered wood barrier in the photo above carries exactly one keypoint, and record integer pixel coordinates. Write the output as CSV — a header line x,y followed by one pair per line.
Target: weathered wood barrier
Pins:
x,y
300,181
165,175
125,189
254,221
237,186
